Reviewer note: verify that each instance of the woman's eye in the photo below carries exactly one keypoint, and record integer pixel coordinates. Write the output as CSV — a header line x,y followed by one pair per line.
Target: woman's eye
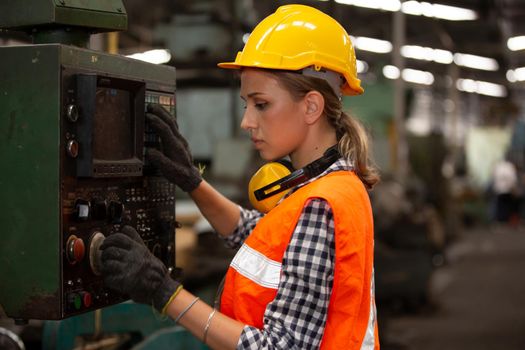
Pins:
x,y
261,106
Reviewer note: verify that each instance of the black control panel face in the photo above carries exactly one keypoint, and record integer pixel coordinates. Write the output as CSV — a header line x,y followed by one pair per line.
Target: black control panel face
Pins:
x,y
94,210
95,207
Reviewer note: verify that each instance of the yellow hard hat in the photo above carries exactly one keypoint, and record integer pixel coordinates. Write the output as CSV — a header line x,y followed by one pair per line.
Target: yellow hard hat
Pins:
x,y
296,37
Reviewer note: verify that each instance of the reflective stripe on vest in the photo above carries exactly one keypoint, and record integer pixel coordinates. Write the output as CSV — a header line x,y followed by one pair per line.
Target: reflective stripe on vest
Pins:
x,y
371,330
256,267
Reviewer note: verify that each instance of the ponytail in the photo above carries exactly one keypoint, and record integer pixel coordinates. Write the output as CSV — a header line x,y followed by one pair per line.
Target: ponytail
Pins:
x,y
353,145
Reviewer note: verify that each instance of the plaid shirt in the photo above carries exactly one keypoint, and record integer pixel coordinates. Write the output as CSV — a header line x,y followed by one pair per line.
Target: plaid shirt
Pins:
x,y
296,318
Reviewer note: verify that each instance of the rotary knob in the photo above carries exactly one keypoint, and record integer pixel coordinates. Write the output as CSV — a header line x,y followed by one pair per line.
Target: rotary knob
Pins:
x,y
94,252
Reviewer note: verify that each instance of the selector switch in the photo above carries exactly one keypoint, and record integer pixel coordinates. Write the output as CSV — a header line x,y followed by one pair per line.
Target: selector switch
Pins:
x,y
99,209
82,209
115,211
75,249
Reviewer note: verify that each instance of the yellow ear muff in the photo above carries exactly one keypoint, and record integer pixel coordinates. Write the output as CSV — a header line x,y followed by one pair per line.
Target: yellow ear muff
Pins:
x,y
267,174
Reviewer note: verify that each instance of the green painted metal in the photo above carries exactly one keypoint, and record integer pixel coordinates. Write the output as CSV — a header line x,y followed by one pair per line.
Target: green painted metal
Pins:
x,y
125,67
30,151
99,15
29,179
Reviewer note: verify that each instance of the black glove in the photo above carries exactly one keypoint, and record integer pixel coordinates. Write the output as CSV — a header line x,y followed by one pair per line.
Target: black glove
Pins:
x,y
175,161
129,268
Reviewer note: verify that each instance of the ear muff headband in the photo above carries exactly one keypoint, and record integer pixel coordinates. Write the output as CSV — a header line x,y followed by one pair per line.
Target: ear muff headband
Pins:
x,y
294,179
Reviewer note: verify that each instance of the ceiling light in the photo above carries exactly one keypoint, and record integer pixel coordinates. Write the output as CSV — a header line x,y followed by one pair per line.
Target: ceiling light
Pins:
x,y
387,5
153,56
427,54
511,76
409,75
451,13
515,75
416,8
481,87
417,76
519,73
476,62
516,43
372,45
362,66
391,72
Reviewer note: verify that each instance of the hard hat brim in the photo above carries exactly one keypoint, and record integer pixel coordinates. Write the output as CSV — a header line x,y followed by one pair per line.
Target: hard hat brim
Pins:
x,y
346,90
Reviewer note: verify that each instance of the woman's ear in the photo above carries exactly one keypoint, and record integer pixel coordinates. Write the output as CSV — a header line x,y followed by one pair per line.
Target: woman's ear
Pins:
x,y
314,103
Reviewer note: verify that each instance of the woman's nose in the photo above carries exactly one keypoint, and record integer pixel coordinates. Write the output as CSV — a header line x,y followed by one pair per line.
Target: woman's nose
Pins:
x,y
247,122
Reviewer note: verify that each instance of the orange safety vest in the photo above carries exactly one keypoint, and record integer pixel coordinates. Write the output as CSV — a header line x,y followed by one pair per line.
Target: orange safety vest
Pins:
x,y
253,276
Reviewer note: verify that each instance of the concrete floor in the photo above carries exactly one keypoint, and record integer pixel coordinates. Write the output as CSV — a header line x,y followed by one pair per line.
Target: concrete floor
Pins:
x,y
479,298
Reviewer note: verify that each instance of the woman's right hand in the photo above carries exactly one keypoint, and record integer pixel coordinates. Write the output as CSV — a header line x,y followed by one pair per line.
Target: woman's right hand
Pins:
x,y
175,161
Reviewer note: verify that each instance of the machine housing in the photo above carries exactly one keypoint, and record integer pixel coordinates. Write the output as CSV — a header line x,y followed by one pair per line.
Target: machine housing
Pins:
x,y
74,171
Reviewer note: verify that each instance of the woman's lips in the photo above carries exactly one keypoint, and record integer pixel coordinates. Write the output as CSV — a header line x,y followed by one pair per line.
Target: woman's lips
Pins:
x,y
257,142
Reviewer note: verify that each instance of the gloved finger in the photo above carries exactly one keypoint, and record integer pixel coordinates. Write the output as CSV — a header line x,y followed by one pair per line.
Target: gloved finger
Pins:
x,y
119,240
113,253
160,161
132,233
170,141
159,123
156,123
113,267
163,114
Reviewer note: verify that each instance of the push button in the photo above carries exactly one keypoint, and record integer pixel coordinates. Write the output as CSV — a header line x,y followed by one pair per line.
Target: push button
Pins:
x,y
72,148
75,249
86,299
74,301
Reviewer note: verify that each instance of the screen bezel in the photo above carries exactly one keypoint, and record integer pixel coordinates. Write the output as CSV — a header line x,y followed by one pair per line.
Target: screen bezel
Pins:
x,y
87,165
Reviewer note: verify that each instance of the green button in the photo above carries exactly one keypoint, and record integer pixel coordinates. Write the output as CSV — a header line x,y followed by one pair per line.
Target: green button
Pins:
x,y
77,302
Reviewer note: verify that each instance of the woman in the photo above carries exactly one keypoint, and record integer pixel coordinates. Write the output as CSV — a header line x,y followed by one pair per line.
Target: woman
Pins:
x,y
303,276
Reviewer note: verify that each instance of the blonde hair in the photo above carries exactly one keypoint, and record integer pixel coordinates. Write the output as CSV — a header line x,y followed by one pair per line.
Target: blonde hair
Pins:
x,y
351,135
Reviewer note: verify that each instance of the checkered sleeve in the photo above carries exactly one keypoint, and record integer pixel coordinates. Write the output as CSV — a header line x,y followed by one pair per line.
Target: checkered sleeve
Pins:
x,y
247,221
296,318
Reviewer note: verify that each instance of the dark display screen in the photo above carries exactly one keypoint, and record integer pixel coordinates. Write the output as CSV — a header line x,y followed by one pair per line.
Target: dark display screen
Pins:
x,y
113,129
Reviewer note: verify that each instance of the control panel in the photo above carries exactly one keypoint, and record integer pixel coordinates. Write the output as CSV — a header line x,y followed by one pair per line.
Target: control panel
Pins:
x,y
94,207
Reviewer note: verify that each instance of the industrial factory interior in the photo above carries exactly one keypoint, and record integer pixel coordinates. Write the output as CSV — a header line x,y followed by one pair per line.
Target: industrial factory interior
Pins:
x,y
98,96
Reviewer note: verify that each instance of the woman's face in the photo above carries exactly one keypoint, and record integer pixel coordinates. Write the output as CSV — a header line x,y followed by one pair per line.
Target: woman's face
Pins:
x,y
274,120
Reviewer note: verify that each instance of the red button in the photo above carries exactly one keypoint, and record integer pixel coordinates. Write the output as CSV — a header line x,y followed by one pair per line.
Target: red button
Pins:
x,y
86,299
76,249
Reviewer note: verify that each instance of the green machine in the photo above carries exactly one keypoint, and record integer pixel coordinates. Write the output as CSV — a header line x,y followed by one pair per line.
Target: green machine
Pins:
x,y
72,140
